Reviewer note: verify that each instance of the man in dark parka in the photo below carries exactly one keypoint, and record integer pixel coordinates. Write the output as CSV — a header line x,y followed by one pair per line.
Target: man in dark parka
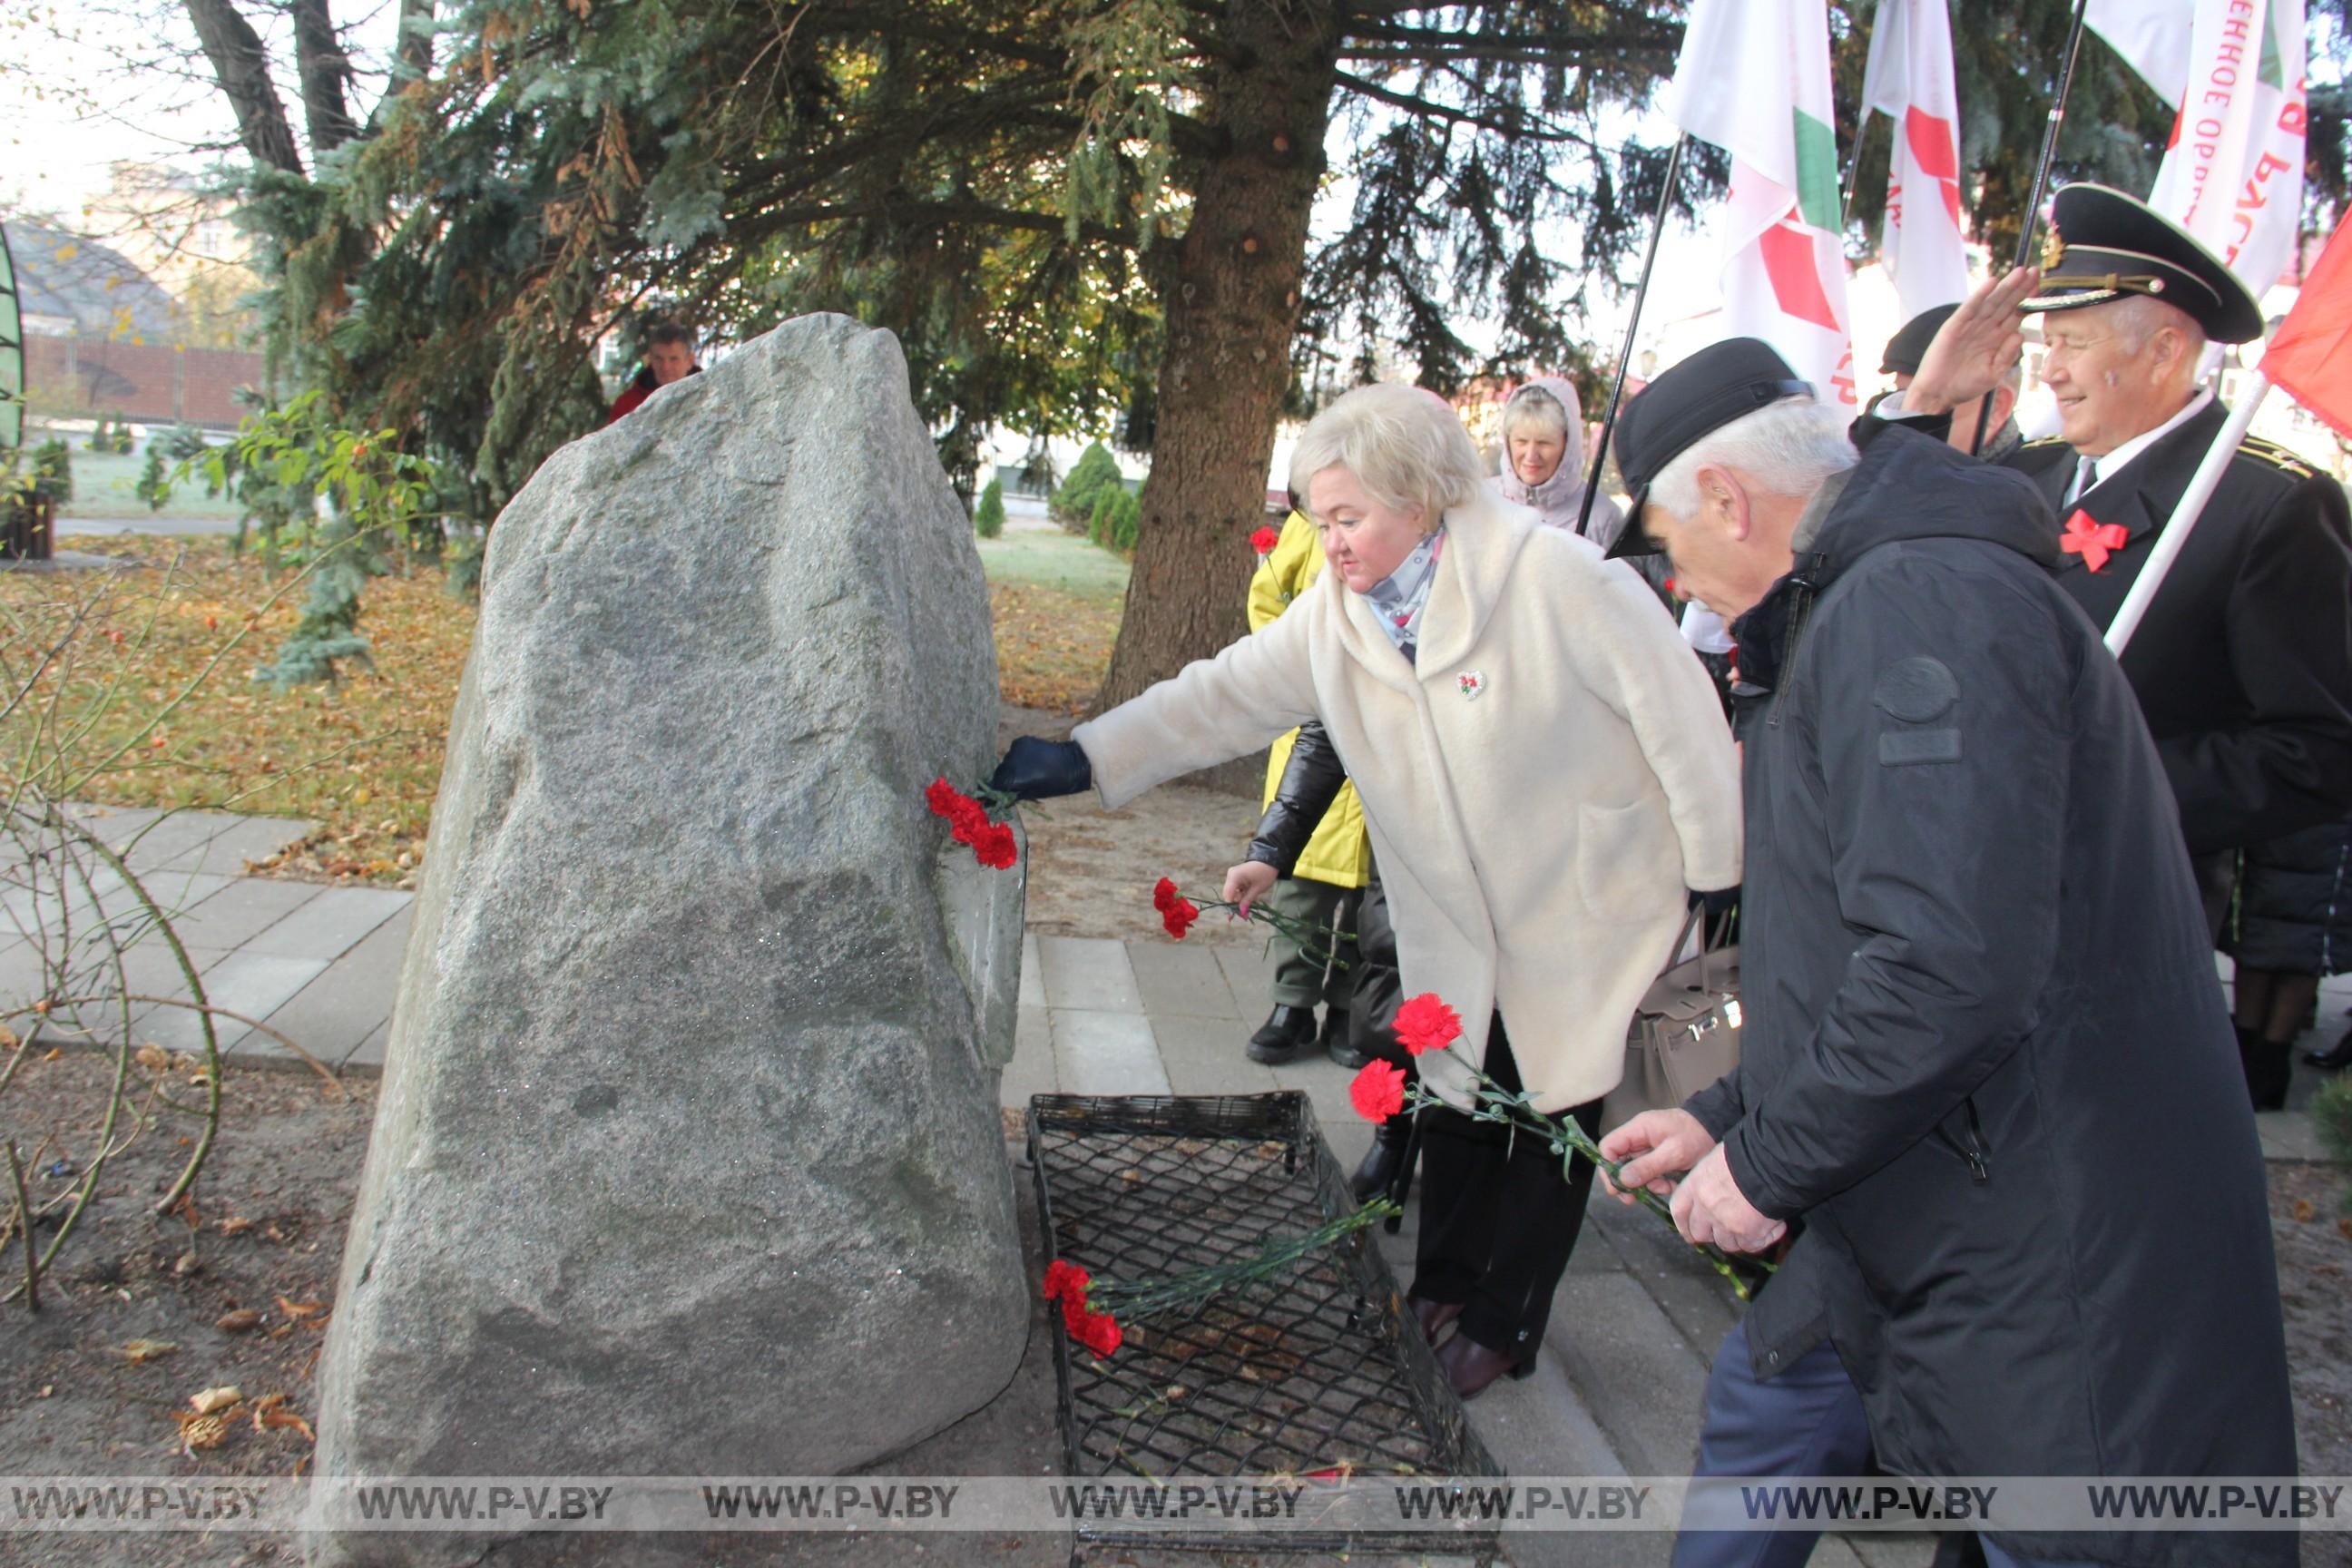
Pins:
x,y
1969,917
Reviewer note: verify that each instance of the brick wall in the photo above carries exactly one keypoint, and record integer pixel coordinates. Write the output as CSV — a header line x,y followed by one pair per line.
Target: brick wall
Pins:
x,y
151,383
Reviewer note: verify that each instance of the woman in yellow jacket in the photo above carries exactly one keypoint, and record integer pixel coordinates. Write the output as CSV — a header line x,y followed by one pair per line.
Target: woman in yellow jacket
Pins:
x,y
1321,891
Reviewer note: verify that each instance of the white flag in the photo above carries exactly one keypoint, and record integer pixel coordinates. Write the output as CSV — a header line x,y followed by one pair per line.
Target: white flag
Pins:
x,y
1754,79
2233,173
1909,81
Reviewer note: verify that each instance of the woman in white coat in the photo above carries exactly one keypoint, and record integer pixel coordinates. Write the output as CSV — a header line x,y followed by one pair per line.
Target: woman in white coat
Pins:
x,y
1544,771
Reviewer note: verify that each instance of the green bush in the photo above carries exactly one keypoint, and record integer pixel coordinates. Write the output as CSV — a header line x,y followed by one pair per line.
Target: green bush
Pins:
x,y
989,520
182,443
1098,521
2331,1115
1127,516
100,440
1073,505
53,469
154,480
123,443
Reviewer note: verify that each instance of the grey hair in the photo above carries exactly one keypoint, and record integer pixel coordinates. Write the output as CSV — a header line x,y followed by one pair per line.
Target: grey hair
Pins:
x,y
1403,444
2139,317
1787,449
1530,404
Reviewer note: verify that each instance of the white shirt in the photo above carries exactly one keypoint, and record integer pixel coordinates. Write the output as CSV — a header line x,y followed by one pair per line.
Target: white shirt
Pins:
x,y
2112,463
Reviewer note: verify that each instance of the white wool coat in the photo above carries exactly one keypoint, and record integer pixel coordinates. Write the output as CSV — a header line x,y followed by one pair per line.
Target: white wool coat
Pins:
x,y
1536,838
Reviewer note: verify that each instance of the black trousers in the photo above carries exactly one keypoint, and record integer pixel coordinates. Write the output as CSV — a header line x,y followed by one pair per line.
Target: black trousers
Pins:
x,y
1498,1216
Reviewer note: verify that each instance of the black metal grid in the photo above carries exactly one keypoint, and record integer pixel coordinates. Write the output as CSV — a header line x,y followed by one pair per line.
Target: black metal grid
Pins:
x,y
1320,1369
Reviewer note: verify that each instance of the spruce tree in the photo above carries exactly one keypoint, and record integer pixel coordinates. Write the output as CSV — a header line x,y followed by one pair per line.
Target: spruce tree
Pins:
x,y
989,520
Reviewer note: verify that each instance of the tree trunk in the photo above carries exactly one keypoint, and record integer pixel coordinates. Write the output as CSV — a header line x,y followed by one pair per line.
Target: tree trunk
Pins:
x,y
241,64
323,68
1231,308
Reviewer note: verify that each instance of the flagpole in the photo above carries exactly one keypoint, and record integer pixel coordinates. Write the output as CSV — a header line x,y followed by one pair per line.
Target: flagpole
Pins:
x,y
2175,537
2041,185
1633,323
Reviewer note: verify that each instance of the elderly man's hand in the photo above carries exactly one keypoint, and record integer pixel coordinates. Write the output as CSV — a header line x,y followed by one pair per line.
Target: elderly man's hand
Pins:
x,y
1971,352
1652,1147
1034,769
1709,1207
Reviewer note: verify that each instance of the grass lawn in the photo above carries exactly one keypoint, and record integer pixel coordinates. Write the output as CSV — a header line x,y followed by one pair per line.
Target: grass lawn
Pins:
x,y
362,757
107,485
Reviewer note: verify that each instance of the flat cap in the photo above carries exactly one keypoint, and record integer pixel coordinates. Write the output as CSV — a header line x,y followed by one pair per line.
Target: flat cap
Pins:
x,y
2104,244
1907,348
1720,383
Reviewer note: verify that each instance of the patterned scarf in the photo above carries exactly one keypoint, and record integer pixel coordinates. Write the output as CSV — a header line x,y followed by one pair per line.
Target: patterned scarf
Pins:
x,y
1398,598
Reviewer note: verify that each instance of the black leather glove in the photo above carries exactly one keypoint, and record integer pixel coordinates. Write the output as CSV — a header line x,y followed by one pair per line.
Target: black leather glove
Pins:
x,y
1039,770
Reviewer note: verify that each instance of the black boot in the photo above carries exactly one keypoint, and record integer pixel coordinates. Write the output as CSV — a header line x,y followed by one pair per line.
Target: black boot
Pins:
x,y
2269,1067
2335,1059
1378,1174
1287,1033
1335,1042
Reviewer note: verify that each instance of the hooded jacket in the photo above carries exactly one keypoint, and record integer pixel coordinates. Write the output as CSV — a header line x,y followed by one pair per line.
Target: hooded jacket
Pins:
x,y
1540,784
1560,499
1985,1059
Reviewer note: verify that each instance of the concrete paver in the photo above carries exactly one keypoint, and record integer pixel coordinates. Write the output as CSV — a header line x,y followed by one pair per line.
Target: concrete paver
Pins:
x,y
241,910
1105,1052
240,840
331,924
1176,981
1089,972
349,1001
255,984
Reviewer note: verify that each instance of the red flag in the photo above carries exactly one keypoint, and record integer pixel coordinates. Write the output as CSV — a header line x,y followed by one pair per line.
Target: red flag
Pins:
x,y
2307,354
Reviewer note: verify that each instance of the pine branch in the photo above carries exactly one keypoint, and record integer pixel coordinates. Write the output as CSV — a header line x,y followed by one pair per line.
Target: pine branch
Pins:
x,y
1450,116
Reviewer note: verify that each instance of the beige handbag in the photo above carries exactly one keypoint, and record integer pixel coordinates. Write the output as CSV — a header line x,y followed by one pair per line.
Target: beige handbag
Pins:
x,y
1685,1034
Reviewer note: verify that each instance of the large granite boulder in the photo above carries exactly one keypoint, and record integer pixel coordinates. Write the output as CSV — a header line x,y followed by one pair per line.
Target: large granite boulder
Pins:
x,y
688,1158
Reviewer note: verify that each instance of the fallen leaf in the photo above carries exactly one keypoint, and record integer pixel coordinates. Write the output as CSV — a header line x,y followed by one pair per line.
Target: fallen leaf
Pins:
x,y
271,1411
2305,1210
202,1431
154,1058
236,1320
208,1400
236,1224
139,1351
301,1309
188,1264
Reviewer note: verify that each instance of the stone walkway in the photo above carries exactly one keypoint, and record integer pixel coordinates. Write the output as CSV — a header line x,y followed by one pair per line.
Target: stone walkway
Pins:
x,y
1617,1388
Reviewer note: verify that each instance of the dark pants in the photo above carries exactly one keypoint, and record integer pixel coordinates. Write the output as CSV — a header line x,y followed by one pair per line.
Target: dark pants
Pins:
x,y
1301,979
1498,1217
2217,879
1806,1420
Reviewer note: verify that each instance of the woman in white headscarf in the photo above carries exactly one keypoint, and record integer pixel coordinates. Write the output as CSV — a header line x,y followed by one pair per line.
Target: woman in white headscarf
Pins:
x,y
1543,459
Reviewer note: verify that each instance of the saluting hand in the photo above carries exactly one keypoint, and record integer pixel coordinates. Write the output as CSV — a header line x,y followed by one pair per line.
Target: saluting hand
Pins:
x,y
1972,351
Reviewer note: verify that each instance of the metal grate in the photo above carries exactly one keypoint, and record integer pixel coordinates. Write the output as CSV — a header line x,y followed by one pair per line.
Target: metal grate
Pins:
x,y
1318,1370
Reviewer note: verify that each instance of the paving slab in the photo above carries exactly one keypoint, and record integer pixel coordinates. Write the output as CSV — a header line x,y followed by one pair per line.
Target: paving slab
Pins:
x,y
253,984
1632,1368
1104,1053
1249,972
164,838
350,1000
1031,1071
331,924
244,839
1203,1056
369,1054
1090,973
1033,972
1695,1298
241,910
1176,981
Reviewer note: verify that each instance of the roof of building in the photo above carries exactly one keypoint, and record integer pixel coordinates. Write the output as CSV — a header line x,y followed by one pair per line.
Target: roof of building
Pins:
x,y
59,273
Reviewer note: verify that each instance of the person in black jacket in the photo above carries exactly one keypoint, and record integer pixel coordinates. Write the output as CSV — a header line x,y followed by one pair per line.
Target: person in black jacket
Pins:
x,y
1969,918
2243,665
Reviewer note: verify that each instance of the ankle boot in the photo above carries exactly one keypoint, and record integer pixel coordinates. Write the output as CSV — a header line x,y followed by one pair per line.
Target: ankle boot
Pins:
x,y
1381,1162
2335,1059
2269,1066
1336,1043
1286,1034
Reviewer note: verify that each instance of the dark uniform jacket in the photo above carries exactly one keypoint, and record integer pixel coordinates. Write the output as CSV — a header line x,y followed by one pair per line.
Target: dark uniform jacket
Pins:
x,y
1969,918
2243,664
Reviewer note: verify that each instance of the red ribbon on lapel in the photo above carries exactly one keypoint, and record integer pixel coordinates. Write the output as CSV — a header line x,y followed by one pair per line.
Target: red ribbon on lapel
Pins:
x,y
2091,539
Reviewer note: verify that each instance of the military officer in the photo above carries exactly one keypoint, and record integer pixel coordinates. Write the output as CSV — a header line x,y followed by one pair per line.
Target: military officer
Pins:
x,y
2243,664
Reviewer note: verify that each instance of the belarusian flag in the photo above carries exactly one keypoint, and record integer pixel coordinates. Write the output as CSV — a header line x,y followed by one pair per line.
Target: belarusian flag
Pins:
x,y
2232,173
2310,356
1754,79
1909,81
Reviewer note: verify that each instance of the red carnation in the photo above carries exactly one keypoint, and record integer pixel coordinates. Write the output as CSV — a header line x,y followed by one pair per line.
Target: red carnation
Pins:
x,y
1163,895
995,847
1097,1331
1179,917
1427,1023
945,799
1378,1092
1065,1280
1264,541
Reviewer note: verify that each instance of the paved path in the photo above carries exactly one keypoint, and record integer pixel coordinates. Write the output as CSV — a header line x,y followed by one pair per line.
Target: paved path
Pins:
x,y
1616,1390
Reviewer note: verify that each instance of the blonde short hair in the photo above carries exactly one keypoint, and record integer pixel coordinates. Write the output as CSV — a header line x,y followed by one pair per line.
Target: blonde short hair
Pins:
x,y
1403,444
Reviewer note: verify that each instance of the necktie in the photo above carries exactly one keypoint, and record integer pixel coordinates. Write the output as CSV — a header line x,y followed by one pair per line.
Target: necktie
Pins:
x,y
2085,476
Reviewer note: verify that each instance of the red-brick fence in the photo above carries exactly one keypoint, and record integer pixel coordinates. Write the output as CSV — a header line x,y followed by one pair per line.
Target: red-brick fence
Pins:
x,y
156,384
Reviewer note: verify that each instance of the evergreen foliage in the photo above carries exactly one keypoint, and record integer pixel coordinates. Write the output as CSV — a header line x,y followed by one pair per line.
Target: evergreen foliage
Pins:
x,y
1073,505
1126,521
989,520
52,470
1106,508
154,480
